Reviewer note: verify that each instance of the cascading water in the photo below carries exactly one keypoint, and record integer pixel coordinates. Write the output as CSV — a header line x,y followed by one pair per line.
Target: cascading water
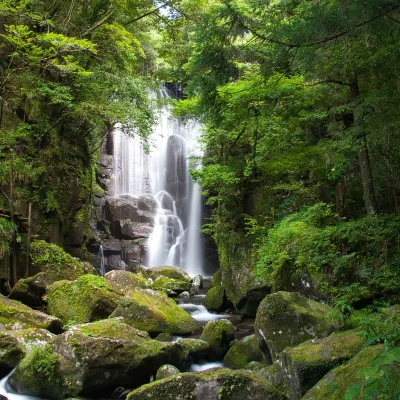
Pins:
x,y
164,174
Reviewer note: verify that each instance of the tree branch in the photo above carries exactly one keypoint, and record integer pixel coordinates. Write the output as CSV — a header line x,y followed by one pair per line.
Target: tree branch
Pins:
x,y
98,23
146,14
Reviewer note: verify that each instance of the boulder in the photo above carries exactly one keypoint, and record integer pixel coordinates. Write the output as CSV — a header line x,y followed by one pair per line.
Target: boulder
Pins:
x,y
124,281
87,299
273,373
215,299
347,379
217,384
134,230
15,344
216,279
154,312
164,337
197,350
15,316
307,363
56,263
170,272
92,358
243,352
218,334
184,295
170,284
30,291
122,208
197,282
165,371
286,319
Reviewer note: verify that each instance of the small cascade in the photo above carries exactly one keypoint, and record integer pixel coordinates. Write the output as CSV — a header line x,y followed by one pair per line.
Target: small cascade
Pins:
x,y
6,391
102,261
164,174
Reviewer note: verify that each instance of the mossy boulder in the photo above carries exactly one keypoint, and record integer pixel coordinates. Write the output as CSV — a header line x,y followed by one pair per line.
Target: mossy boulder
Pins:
x,y
15,344
123,281
196,349
218,384
87,299
243,352
164,337
170,285
30,291
169,271
15,315
308,362
286,319
155,313
216,279
56,263
218,334
215,299
165,371
349,377
273,373
91,358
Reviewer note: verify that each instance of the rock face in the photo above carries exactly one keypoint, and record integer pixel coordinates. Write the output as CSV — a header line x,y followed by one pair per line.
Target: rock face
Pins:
x,y
14,315
15,344
124,281
287,319
56,263
307,363
334,384
219,384
243,352
154,312
91,358
165,371
30,291
197,349
87,299
218,334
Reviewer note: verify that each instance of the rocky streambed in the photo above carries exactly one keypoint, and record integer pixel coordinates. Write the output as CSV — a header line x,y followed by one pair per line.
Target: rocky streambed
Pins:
x,y
160,334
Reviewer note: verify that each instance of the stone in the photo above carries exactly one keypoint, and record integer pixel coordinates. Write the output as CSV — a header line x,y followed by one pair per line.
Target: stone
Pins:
x,y
215,299
147,203
286,319
307,363
15,344
87,299
273,373
135,230
165,371
216,279
184,295
30,291
198,350
91,358
122,208
168,271
243,352
164,337
154,312
218,334
217,384
56,263
169,284
123,281
16,316
197,282
335,383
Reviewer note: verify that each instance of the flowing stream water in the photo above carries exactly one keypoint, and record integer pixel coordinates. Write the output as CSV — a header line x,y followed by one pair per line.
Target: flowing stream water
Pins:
x,y
164,174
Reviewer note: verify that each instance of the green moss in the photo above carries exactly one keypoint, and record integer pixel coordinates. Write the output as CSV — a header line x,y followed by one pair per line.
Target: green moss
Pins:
x,y
89,298
152,312
169,272
214,299
243,352
216,279
123,281
38,372
165,283
218,334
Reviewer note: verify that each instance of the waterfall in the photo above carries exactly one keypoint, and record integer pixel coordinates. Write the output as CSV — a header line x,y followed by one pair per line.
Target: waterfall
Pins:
x,y
102,261
164,174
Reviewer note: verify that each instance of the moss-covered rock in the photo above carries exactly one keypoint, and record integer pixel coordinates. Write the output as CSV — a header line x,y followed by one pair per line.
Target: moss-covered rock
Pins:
x,y
89,298
219,384
215,299
56,263
91,358
165,371
308,362
169,285
216,279
243,352
15,344
164,337
273,373
218,334
286,319
30,291
123,281
197,349
154,312
169,271
14,315
334,384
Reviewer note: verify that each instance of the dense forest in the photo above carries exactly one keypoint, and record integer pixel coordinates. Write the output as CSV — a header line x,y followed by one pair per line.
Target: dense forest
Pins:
x,y
299,106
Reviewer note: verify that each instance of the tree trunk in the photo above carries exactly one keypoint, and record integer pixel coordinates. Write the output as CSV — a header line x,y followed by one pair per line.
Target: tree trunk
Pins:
x,y
13,247
363,155
339,197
